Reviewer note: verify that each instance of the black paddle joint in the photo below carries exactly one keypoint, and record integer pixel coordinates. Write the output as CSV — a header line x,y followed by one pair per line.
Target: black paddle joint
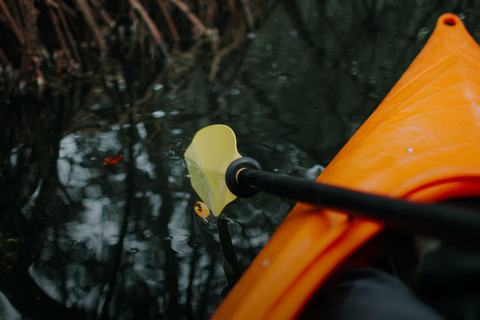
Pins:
x,y
231,176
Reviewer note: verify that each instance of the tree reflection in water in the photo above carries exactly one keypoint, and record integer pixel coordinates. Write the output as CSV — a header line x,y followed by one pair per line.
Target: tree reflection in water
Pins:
x,y
87,240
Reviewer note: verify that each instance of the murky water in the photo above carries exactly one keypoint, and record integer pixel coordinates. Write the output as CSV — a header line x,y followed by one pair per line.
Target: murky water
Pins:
x,y
122,240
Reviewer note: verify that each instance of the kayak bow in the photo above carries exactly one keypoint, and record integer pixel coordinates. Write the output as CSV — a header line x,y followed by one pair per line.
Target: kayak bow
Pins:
x,y
421,144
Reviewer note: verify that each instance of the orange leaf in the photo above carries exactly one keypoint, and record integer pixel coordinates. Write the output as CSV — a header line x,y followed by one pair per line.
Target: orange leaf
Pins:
x,y
112,160
202,210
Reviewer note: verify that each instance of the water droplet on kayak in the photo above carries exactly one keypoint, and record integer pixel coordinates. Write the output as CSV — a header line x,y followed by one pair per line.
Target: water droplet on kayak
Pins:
x,y
265,262
410,149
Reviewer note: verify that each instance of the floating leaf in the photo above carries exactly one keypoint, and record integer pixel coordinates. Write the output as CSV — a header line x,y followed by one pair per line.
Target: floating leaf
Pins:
x,y
202,210
111,160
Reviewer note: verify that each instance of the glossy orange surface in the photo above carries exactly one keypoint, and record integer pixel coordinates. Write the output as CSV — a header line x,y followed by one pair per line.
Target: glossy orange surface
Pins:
x,y
422,143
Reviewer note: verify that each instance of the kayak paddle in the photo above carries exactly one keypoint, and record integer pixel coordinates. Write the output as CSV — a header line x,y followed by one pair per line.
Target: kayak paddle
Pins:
x,y
207,158
215,164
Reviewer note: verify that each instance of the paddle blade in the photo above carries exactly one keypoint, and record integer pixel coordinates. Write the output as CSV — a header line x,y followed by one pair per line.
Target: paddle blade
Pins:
x,y
212,150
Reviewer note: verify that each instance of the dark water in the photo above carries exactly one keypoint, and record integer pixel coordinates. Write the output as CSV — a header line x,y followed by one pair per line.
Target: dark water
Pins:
x,y
122,240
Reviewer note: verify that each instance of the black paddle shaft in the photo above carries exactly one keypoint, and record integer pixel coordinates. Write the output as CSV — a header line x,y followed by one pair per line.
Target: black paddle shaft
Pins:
x,y
441,221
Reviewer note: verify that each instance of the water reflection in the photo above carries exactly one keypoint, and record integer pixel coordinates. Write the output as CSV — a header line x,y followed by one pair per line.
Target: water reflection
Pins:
x,y
122,240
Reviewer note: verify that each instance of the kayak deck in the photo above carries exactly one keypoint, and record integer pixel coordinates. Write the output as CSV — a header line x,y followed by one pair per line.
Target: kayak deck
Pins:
x,y
422,144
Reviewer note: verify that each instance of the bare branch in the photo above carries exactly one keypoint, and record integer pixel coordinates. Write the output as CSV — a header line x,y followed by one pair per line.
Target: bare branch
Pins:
x,y
232,7
66,8
211,11
219,54
67,31
193,18
156,34
13,25
248,13
92,25
30,64
105,16
58,35
171,25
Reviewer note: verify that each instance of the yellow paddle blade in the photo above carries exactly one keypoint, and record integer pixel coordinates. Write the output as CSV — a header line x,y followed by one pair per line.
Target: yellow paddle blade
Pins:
x,y
212,150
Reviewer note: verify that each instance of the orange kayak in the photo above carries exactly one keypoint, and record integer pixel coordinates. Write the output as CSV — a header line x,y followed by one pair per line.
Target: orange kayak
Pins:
x,y
422,144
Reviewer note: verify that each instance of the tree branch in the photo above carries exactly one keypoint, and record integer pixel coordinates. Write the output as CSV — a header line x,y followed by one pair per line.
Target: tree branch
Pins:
x,y
171,25
13,25
154,31
92,25
248,13
193,18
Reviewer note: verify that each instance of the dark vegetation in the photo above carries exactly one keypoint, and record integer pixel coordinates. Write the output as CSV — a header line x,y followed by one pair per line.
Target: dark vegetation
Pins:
x,y
43,43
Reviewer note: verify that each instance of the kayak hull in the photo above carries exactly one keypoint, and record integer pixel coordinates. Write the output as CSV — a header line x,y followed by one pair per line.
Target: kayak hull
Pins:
x,y
421,143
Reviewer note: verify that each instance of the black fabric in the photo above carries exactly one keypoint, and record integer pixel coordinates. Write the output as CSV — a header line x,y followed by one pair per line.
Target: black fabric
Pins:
x,y
368,293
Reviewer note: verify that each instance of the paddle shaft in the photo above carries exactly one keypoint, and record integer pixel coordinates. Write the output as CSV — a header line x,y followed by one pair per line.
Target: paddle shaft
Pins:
x,y
230,262
440,221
